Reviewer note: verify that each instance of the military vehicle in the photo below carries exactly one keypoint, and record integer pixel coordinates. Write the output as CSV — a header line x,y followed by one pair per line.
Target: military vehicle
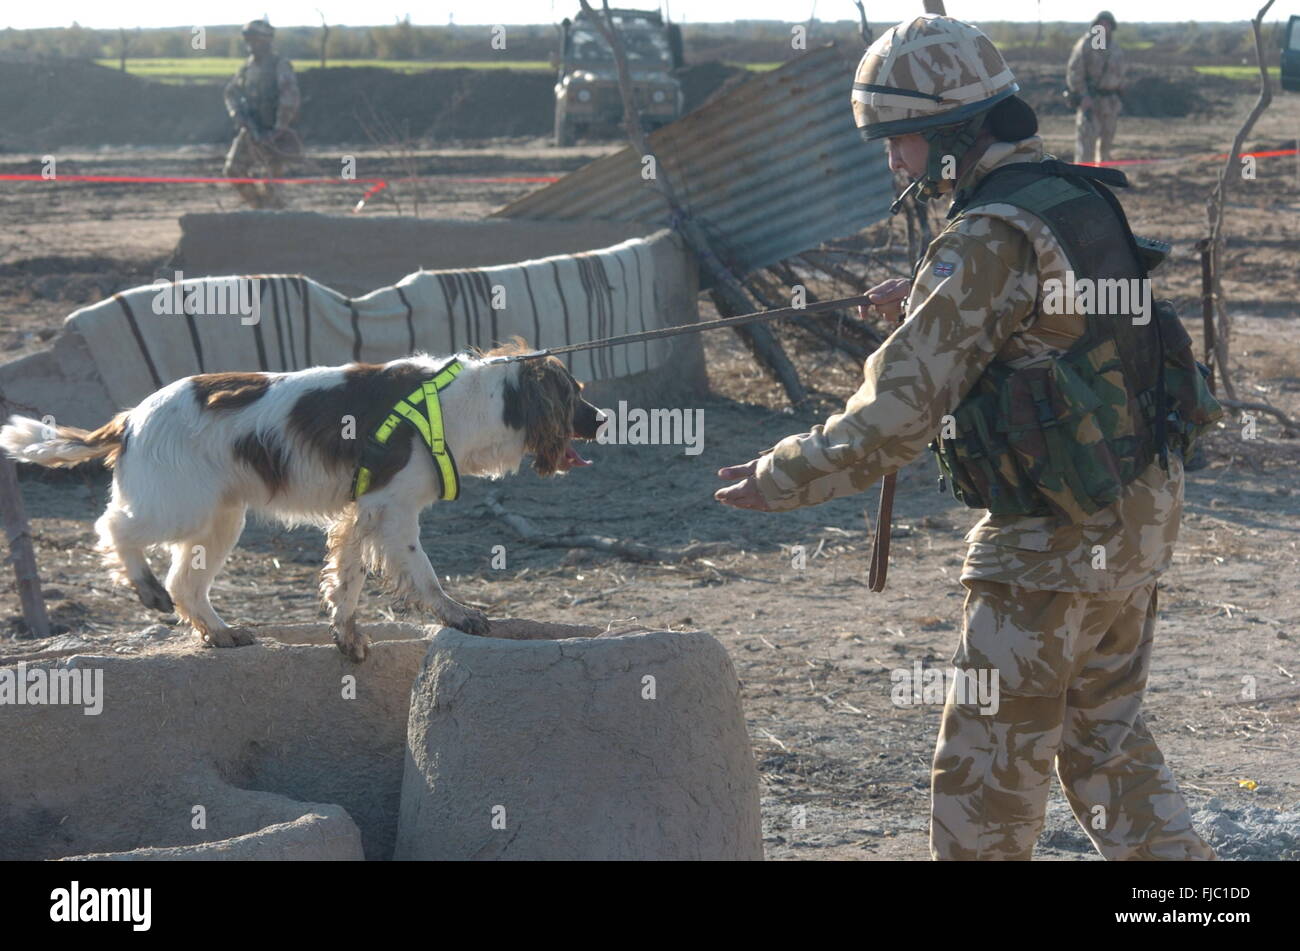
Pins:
x,y
1291,55
587,96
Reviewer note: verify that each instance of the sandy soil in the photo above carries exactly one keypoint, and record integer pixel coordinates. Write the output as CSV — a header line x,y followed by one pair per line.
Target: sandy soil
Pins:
x,y
813,647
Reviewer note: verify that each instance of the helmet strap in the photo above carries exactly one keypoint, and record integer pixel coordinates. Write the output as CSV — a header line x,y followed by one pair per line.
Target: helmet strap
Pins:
x,y
948,140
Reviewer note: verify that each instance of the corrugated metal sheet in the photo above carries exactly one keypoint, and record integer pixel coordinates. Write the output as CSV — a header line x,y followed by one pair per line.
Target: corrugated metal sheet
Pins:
x,y
773,168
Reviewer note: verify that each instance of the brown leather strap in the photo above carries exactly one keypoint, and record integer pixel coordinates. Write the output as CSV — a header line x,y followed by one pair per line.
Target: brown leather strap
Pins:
x,y
879,569
880,544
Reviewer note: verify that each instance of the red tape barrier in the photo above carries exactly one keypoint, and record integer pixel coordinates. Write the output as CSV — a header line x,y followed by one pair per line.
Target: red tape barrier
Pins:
x,y
376,184
1222,156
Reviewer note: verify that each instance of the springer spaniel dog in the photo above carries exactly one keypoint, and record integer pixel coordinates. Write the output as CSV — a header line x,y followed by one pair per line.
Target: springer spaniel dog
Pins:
x,y
191,459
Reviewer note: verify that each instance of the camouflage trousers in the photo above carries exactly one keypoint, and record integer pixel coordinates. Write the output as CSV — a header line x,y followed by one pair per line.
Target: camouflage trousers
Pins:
x,y
247,160
1071,669
1094,129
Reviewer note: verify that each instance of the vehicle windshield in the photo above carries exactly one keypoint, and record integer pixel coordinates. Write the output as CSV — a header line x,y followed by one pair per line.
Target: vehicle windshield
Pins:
x,y
645,45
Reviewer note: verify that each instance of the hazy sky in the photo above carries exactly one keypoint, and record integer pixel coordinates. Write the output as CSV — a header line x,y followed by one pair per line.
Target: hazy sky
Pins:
x,y
153,13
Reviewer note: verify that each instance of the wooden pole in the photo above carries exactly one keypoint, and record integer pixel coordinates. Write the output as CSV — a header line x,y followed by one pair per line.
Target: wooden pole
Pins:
x,y
1207,304
21,553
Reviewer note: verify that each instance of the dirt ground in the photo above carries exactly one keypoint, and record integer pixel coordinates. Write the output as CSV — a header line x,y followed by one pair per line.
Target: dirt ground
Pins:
x,y
813,647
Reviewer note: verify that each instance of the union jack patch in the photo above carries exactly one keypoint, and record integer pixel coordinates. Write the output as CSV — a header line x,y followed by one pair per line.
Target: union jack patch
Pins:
x,y
944,268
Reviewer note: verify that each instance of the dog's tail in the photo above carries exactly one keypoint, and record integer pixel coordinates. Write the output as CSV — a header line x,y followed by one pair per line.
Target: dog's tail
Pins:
x,y
44,444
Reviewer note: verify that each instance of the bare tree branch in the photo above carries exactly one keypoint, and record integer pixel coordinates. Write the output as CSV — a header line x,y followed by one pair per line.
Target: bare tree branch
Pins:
x,y
864,28
1218,199
1287,423
324,37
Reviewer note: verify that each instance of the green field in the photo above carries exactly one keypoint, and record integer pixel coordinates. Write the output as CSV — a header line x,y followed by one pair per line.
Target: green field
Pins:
x,y
212,68
1127,45
1235,72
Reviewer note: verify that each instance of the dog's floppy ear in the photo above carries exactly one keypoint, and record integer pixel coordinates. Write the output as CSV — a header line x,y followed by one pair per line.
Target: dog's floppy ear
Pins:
x,y
541,403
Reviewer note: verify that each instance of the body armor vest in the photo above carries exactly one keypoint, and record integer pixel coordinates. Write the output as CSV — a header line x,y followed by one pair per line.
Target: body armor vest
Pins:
x,y
261,88
1063,436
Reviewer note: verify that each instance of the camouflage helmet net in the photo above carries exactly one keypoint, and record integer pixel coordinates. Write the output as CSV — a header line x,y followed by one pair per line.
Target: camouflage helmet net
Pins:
x,y
926,73
258,28
935,76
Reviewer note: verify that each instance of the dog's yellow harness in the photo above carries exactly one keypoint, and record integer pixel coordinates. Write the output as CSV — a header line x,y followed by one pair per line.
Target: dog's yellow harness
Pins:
x,y
428,423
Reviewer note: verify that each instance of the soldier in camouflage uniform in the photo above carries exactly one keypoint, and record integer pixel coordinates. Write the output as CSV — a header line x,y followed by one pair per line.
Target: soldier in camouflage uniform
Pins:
x,y
1068,634
263,100
1095,78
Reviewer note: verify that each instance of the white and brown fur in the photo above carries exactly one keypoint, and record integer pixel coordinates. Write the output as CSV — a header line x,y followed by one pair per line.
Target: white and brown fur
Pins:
x,y
192,459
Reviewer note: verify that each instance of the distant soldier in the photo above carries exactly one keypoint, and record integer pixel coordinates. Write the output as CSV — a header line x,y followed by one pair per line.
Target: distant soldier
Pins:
x,y
263,100
1094,81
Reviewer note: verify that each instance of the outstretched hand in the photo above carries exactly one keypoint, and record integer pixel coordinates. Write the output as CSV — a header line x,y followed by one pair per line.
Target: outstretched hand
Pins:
x,y
743,494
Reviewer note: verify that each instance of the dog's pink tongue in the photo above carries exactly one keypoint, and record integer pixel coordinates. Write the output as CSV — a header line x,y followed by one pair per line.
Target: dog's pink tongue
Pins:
x,y
573,459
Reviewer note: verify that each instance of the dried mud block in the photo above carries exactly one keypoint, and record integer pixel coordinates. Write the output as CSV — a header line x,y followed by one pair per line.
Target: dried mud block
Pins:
x,y
605,746
325,833
285,744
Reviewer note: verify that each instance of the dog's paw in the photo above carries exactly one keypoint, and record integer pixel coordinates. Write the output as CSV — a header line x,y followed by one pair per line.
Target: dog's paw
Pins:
x,y
153,595
224,636
242,636
470,621
352,644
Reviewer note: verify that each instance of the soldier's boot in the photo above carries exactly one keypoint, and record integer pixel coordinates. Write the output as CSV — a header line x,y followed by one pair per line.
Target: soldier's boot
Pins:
x,y
1111,770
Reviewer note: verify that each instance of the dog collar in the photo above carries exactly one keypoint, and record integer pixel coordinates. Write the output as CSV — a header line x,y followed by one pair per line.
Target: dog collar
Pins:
x,y
427,422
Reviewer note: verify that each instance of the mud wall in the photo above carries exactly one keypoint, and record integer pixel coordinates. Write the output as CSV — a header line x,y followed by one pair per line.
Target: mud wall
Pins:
x,y
355,254
255,735
288,750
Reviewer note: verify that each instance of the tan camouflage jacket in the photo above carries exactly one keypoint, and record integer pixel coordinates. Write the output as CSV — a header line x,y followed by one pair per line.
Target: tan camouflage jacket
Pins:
x,y
977,296
268,84
1094,72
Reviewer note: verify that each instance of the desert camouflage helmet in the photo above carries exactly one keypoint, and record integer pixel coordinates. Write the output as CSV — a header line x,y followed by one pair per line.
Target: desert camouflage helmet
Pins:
x,y
931,71
258,28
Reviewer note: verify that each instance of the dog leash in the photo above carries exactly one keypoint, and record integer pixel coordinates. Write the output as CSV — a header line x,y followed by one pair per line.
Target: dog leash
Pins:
x,y
884,517
820,307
